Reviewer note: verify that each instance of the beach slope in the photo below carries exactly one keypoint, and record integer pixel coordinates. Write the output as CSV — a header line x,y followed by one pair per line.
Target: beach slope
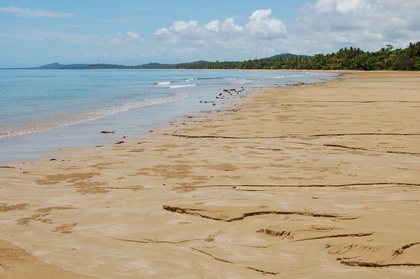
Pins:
x,y
312,181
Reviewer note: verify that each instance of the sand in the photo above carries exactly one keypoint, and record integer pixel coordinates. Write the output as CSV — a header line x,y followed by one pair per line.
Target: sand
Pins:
x,y
313,181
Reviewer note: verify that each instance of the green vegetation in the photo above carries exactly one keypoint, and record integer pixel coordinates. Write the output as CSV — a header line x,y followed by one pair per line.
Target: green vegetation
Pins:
x,y
407,59
388,58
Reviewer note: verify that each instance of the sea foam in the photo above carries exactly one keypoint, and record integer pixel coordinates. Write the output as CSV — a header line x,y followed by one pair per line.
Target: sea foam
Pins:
x,y
70,118
163,83
182,85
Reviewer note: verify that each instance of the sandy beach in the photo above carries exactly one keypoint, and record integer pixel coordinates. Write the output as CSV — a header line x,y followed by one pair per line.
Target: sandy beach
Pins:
x,y
311,181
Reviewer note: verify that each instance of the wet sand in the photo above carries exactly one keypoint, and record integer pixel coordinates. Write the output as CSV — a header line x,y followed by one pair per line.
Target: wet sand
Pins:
x,y
312,181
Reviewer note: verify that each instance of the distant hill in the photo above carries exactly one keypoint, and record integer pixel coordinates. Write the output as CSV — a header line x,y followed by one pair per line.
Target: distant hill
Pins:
x,y
155,66
60,66
287,55
57,66
196,64
407,59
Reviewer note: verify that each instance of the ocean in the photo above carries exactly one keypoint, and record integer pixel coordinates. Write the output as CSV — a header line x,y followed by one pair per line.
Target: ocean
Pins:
x,y
44,110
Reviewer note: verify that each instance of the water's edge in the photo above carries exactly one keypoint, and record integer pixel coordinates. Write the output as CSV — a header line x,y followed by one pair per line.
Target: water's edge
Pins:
x,y
126,124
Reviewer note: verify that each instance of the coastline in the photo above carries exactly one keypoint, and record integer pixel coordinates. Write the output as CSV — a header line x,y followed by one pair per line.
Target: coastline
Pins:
x,y
147,99
316,180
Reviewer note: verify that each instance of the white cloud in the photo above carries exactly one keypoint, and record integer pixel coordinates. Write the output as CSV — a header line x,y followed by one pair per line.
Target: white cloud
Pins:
x,y
34,13
182,26
322,26
260,24
259,35
121,38
213,26
135,37
327,25
192,32
229,26
343,6
346,6
179,29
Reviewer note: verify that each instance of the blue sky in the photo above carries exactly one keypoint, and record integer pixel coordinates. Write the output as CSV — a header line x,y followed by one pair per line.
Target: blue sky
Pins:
x,y
134,32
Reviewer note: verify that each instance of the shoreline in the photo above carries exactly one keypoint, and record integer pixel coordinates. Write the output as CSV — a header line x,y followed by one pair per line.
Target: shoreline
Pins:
x,y
313,180
134,122
185,99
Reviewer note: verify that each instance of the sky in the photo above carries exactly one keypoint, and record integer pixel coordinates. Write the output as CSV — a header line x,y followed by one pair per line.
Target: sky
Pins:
x,y
135,32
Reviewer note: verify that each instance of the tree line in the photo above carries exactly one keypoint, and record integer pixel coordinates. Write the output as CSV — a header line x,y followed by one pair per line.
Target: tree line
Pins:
x,y
386,58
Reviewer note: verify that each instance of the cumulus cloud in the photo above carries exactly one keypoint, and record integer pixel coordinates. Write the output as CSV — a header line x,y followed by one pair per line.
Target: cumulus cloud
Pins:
x,y
34,13
331,24
260,24
322,26
193,32
343,6
259,35
123,38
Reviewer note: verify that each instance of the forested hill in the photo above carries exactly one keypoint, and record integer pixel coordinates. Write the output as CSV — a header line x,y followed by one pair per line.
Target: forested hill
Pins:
x,y
387,58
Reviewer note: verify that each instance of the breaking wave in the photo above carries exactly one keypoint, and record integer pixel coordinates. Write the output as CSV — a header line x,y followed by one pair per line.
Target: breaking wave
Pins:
x,y
182,85
163,83
70,118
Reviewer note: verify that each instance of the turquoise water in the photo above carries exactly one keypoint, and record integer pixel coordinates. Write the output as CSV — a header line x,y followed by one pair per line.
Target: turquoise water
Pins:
x,y
42,110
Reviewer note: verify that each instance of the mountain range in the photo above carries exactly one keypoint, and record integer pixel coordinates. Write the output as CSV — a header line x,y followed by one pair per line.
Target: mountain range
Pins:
x,y
58,66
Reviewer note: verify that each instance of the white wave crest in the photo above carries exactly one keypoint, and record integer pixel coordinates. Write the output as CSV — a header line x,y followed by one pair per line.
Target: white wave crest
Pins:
x,y
182,85
163,83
